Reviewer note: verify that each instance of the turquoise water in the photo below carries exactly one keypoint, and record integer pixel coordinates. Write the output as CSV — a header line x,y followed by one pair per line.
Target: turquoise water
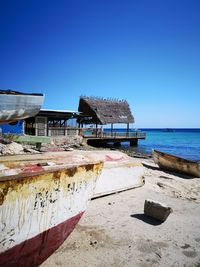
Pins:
x,y
181,142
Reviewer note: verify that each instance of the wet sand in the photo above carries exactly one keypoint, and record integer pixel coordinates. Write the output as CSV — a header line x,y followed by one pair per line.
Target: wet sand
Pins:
x,y
115,232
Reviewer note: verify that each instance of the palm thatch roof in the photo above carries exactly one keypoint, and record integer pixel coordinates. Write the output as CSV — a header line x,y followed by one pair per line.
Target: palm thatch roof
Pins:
x,y
104,111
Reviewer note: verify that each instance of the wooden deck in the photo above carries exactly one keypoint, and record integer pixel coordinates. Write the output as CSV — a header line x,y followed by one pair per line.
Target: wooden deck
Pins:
x,y
103,138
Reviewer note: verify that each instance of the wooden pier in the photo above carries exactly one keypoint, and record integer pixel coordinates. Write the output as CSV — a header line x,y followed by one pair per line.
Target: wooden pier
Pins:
x,y
98,138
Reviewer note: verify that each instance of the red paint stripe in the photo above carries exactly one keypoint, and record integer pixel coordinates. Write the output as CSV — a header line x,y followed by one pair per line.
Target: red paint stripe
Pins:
x,y
32,168
110,158
34,251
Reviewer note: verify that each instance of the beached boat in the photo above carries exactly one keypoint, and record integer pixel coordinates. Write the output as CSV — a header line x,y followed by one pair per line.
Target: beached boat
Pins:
x,y
120,172
42,197
15,105
177,164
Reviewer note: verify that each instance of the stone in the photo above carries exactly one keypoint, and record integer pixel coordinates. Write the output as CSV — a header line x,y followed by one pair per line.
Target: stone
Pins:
x,y
156,210
12,149
4,140
67,140
30,150
68,148
2,147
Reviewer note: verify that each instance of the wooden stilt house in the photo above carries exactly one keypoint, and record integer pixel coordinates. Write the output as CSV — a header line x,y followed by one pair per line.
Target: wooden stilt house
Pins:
x,y
99,111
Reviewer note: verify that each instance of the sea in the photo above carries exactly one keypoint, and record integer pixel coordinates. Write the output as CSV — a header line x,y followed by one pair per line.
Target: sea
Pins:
x,y
180,142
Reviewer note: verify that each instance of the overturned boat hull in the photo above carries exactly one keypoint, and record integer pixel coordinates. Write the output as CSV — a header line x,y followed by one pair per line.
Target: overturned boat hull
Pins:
x,y
173,163
120,172
15,105
41,199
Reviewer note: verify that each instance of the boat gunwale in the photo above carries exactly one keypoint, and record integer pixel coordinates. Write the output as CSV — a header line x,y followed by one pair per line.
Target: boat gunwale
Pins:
x,y
15,93
25,175
169,156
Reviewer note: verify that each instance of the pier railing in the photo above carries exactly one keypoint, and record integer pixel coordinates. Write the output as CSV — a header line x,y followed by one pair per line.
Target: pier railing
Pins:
x,y
89,133
98,133
63,131
129,134
54,131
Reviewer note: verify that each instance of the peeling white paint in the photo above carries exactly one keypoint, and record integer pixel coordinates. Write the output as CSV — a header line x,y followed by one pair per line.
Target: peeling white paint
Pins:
x,y
31,208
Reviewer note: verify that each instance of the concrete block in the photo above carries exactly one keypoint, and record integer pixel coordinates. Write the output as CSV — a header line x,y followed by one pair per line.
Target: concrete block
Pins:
x,y
156,210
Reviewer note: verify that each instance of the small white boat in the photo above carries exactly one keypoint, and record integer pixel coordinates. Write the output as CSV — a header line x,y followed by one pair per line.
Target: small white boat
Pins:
x,y
42,197
15,105
173,163
120,172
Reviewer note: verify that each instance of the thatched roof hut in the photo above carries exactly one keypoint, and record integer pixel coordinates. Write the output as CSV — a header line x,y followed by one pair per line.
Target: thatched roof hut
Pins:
x,y
104,111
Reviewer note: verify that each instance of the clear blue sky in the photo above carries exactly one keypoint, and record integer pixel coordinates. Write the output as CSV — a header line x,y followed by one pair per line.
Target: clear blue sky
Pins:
x,y
144,51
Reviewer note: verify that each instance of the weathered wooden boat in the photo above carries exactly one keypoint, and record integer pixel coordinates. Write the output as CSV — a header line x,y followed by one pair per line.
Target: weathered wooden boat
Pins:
x,y
177,164
42,197
15,105
120,172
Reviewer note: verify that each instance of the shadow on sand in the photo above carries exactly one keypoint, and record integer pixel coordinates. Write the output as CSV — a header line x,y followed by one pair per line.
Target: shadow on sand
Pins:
x,y
146,219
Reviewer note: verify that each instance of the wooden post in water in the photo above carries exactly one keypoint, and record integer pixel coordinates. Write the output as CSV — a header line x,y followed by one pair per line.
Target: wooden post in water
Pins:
x,y
134,142
127,132
111,129
117,144
96,129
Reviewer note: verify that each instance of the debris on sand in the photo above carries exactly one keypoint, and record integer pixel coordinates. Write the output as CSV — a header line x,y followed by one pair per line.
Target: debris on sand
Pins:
x,y
156,210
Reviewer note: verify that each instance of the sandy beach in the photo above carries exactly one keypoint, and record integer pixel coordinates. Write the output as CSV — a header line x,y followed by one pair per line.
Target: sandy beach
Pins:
x,y
115,232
